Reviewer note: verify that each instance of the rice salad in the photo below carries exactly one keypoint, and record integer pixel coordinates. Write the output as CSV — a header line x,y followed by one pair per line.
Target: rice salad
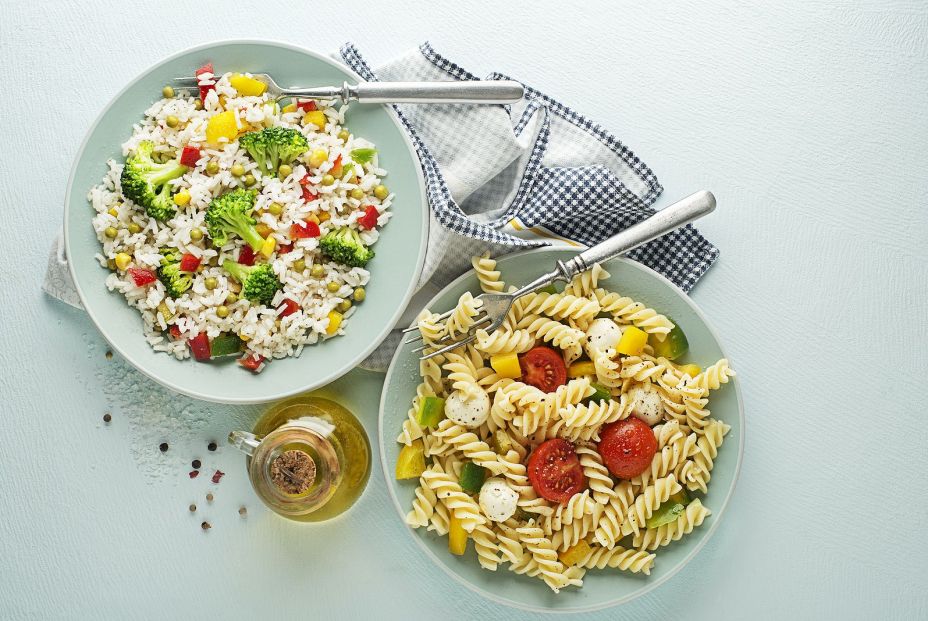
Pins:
x,y
221,188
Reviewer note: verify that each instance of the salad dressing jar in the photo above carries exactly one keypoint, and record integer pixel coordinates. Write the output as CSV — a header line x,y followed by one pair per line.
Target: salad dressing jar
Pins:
x,y
308,460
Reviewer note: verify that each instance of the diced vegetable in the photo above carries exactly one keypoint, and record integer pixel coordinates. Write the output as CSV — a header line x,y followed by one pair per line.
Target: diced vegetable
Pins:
x,y
225,344
315,117
601,393
289,307
574,554
141,276
581,368
363,156
335,320
410,464
502,443
472,477
673,346
246,256
668,511
205,89
220,126
337,168
190,156
307,105
369,219
691,369
291,107
123,260
306,186
174,331
189,263
252,362
431,411
304,230
165,312
199,347
249,87
267,248
506,365
632,342
457,536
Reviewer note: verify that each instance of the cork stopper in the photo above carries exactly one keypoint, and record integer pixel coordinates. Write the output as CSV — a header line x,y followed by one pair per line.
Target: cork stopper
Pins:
x,y
293,472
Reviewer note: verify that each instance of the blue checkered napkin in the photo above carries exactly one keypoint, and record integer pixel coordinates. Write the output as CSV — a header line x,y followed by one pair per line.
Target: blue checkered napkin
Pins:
x,y
531,174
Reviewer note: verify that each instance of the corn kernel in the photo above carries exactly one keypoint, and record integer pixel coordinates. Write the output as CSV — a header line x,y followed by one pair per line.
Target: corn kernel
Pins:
x,y
113,212
315,117
335,320
267,249
123,260
318,157
182,198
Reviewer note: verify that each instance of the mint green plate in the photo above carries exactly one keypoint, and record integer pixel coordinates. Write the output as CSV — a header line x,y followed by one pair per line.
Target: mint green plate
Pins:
x,y
601,588
394,271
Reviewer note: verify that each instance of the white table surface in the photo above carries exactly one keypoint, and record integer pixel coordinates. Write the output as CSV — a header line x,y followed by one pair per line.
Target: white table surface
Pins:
x,y
808,121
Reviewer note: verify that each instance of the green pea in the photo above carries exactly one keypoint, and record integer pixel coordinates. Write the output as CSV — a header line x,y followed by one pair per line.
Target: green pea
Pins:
x,y
333,286
197,104
237,170
167,92
222,311
343,306
249,180
210,283
328,179
134,228
381,192
299,265
284,170
344,135
110,232
317,271
357,193
212,167
231,298
359,294
275,209
111,263
196,235
172,121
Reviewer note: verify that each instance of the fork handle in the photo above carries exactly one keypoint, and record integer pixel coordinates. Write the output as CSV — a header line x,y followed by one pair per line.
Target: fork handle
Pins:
x,y
460,91
664,221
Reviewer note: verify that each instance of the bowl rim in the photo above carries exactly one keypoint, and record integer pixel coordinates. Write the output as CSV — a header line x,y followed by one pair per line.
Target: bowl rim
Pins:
x,y
327,377
651,585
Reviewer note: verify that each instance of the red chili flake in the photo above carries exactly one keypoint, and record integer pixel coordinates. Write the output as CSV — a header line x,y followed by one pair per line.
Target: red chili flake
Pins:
x,y
218,475
194,474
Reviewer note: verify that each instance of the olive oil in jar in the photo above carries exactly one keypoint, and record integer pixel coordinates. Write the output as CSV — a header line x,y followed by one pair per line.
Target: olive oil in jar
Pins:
x,y
309,458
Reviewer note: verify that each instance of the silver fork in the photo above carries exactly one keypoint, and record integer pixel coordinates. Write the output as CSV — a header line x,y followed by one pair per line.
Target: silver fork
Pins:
x,y
495,306
464,91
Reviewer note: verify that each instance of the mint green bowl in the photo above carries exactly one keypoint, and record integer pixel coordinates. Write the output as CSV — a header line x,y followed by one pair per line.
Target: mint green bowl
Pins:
x,y
601,588
394,271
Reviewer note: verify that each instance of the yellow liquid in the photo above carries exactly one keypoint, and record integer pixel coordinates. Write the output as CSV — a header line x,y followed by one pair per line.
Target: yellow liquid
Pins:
x,y
349,440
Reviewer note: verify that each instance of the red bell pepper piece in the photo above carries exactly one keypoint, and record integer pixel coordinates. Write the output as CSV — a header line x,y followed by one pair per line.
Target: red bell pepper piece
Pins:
x,y
251,362
308,194
199,347
174,331
303,230
141,276
289,307
337,168
204,89
369,219
306,106
189,156
189,263
246,256
284,249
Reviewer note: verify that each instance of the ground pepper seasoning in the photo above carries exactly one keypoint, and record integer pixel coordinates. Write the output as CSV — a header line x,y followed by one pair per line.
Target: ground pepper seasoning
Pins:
x,y
293,472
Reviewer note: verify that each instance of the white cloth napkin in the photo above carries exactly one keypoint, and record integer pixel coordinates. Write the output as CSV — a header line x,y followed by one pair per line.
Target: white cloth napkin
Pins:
x,y
504,178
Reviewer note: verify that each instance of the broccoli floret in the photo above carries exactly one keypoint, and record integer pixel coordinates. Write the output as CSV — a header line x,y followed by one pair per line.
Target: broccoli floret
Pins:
x,y
175,281
345,246
273,146
145,182
231,214
259,283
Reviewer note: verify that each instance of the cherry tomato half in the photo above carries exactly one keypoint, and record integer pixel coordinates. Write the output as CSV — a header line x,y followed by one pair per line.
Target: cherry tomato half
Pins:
x,y
554,470
627,447
543,368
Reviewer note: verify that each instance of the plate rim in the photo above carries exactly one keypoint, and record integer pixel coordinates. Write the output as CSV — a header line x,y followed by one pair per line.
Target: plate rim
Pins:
x,y
328,377
651,585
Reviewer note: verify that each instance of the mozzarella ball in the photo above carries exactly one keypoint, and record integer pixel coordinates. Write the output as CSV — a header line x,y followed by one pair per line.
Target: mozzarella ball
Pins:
x,y
498,501
469,409
646,404
602,334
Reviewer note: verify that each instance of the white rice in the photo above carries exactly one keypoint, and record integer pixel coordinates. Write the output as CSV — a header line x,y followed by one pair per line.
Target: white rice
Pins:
x,y
195,311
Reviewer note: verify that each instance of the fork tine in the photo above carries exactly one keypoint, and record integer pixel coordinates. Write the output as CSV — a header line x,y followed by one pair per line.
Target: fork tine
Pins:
x,y
448,348
441,317
189,80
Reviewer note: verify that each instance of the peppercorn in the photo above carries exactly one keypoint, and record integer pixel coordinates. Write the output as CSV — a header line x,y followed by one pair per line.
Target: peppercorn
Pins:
x,y
205,525
209,498
211,446
107,418
192,507
196,464
164,447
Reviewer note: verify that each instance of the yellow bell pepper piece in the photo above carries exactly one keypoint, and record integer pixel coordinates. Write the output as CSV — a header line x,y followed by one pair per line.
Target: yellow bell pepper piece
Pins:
x,y
315,117
632,342
288,108
335,320
123,260
165,312
691,369
506,365
267,249
457,536
574,554
581,368
246,86
263,229
221,125
410,464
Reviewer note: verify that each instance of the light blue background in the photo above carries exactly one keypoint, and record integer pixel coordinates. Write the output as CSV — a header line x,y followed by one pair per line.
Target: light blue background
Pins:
x,y
807,120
